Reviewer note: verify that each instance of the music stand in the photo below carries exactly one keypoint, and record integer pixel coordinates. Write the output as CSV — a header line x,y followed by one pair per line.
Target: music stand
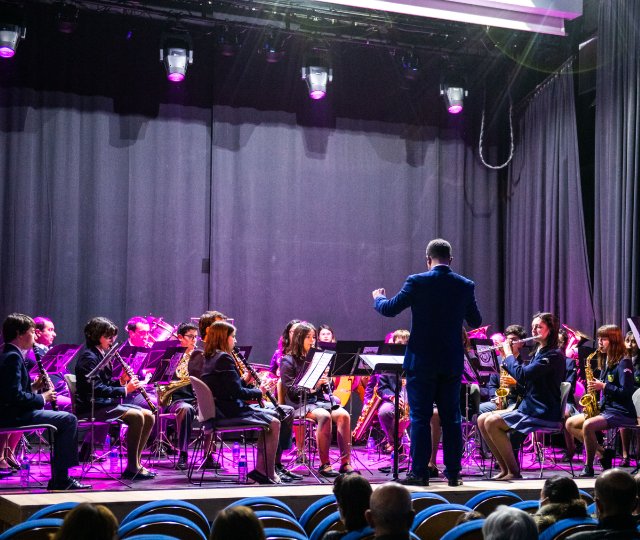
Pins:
x,y
634,324
389,364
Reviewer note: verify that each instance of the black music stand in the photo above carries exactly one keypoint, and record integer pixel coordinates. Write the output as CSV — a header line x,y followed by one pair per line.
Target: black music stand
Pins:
x,y
389,364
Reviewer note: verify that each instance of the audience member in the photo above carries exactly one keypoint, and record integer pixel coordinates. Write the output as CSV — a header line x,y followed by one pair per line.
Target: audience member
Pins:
x,y
472,515
506,523
559,499
353,493
88,522
616,497
390,512
236,522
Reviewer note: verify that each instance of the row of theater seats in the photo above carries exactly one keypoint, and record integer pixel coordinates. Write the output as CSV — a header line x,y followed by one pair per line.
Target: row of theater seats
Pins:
x,y
176,519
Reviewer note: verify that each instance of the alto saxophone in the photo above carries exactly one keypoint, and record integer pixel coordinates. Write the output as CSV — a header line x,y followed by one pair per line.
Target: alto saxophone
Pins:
x,y
366,417
165,391
589,401
502,392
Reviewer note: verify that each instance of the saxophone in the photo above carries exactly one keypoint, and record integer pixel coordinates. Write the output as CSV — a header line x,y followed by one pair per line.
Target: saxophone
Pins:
x,y
589,401
502,392
165,391
366,418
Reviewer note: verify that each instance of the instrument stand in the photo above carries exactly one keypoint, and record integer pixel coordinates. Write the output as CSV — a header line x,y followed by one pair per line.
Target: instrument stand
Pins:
x,y
161,442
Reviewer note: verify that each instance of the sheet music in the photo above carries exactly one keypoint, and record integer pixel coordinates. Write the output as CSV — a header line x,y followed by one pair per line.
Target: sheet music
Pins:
x,y
316,369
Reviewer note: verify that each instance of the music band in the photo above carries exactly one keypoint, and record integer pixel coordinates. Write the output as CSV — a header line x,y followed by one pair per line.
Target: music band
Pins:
x,y
524,395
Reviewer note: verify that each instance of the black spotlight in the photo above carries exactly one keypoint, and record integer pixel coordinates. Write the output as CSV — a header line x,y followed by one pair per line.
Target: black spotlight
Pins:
x,y
272,48
228,41
410,64
67,18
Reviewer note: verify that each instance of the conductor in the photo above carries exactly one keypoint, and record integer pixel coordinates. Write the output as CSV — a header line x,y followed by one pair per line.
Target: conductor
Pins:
x,y
440,301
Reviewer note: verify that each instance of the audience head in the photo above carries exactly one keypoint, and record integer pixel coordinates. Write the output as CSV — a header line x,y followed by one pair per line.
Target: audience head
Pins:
x,y
236,522
301,339
207,319
559,489
88,522
507,522
469,516
45,331
615,493
401,336
20,328
352,492
438,252
325,334
219,338
99,329
390,509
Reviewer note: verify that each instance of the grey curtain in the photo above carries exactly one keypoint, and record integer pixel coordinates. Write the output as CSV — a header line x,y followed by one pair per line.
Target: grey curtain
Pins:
x,y
617,188
546,265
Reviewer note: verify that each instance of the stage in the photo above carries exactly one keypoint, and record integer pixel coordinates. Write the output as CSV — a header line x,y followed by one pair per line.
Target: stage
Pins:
x,y
16,503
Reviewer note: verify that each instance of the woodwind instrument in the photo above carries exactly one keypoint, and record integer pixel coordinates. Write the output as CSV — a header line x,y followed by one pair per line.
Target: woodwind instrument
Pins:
x,y
127,369
589,401
165,391
502,392
47,381
499,346
366,417
242,363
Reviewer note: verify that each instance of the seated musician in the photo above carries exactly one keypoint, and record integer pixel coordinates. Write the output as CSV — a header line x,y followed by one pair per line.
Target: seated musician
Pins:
x,y
540,406
138,329
21,406
625,433
231,394
183,400
318,405
196,361
107,393
615,407
283,346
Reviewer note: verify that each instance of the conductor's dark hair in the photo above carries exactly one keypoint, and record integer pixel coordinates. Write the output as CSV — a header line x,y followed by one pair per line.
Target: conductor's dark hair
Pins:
x,y
439,249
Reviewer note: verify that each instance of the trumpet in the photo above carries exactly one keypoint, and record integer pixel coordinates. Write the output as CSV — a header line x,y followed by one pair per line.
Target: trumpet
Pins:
x,y
496,347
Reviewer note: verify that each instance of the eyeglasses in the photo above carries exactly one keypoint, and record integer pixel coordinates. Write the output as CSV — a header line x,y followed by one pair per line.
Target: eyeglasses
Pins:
x,y
191,336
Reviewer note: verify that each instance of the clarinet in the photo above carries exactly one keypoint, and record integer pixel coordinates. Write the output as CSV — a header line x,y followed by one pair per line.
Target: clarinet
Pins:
x,y
127,369
238,358
47,381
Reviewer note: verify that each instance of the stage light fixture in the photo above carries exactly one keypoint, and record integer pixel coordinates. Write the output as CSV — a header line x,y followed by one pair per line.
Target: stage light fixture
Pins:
x,y
10,36
176,53
272,48
410,63
228,42
453,97
67,18
317,71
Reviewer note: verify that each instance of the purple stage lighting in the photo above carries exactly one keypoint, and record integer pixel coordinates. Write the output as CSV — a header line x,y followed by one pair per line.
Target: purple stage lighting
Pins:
x,y
175,77
455,109
10,36
317,94
176,60
317,78
453,98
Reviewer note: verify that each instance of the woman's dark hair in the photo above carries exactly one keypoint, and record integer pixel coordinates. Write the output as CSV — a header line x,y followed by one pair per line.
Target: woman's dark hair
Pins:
x,y
97,328
88,522
285,343
297,340
217,338
560,489
15,325
553,323
352,492
236,522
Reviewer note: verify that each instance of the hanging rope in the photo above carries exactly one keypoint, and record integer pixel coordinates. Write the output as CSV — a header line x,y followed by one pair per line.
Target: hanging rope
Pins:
x,y
512,147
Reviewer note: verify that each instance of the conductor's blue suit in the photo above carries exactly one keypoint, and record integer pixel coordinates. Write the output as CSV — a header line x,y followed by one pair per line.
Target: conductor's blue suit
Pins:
x,y
440,301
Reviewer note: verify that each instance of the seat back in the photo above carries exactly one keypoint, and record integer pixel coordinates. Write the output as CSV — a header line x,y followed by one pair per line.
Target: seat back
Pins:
x,y
471,530
70,379
636,403
331,523
566,527
168,524
319,510
174,507
422,500
59,510
434,522
283,534
278,520
487,501
37,529
281,392
586,496
530,507
205,399
264,503
565,388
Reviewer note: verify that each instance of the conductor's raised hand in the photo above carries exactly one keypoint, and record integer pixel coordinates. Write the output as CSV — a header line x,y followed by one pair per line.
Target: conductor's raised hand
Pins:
x,y
378,292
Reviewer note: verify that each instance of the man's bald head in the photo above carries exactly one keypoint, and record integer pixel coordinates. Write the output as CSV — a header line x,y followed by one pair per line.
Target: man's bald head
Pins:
x,y
615,493
390,509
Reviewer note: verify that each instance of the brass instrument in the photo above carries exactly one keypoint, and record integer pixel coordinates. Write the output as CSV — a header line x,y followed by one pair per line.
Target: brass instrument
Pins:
x,y
589,401
47,381
127,369
242,365
502,392
165,391
366,418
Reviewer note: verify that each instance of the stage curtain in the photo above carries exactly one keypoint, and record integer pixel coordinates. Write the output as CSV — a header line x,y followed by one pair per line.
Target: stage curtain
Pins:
x,y
617,171
546,264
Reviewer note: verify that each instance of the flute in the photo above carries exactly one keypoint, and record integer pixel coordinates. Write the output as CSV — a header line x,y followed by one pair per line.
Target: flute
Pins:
x,y
239,358
495,347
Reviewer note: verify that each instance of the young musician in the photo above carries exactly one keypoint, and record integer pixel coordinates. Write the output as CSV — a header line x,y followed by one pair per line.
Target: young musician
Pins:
x,y
183,400
283,346
138,329
540,406
616,406
107,393
318,408
21,406
231,394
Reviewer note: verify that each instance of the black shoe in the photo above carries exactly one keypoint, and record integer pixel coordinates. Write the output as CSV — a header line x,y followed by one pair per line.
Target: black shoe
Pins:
x,y
138,475
346,468
259,478
433,472
326,471
626,462
211,463
587,472
607,458
285,473
68,484
181,465
454,481
413,480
